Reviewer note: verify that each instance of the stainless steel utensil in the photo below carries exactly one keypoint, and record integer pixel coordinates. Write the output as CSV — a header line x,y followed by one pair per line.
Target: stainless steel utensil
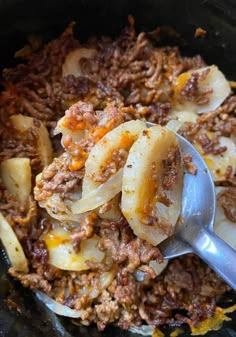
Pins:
x,y
194,233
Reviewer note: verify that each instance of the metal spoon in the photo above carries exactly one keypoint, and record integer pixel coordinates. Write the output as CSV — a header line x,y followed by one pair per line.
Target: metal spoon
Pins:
x,y
194,233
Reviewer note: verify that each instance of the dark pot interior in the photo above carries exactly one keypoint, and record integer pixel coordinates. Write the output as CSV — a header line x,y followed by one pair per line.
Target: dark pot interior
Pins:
x,y
18,18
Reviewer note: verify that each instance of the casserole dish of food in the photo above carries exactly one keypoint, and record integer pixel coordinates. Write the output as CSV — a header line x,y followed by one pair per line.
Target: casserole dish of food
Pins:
x,y
73,106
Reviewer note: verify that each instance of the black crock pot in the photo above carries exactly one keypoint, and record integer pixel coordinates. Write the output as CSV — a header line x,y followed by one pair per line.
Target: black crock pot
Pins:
x,y
48,18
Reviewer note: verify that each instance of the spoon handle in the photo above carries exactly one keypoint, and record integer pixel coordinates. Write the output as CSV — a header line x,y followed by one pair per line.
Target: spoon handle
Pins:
x,y
213,250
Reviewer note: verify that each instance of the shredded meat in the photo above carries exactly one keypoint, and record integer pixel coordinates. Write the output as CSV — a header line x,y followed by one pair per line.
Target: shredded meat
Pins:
x,y
227,200
57,178
33,281
189,165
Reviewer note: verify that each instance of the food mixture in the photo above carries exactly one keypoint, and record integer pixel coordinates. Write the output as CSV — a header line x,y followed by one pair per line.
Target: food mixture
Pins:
x,y
88,191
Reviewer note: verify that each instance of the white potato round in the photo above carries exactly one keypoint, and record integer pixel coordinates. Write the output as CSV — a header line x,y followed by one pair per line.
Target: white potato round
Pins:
x,y
141,199
122,137
62,254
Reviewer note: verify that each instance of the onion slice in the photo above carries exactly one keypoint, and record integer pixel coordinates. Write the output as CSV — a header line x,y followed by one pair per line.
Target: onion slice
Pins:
x,y
144,330
113,213
158,267
56,307
65,131
174,125
63,213
12,246
105,279
184,115
99,196
16,176
71,65
23,124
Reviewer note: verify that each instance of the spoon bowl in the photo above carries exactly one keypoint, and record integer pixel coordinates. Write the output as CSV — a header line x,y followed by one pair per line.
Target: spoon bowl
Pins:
x,y
198,202
194,230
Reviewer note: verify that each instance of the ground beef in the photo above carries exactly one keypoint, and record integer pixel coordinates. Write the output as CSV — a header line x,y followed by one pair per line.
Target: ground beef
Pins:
x,y
191,91
107,310
189,165
227,200
33,281
127,78
56,178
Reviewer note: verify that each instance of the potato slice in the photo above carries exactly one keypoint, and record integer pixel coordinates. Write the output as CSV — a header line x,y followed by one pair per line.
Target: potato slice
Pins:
x,y
223,227
219,163
120,138
12,246
16,176
211,82
23,123
151,197
62,254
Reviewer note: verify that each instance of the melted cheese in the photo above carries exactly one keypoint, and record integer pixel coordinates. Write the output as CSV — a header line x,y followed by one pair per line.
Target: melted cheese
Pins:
x,y
212,323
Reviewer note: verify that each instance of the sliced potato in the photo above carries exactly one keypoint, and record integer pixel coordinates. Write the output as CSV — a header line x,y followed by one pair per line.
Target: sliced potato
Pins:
x,y
151,207
12,246
62,254
219,163
214,85
16,176
223,227
23,123
122,137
